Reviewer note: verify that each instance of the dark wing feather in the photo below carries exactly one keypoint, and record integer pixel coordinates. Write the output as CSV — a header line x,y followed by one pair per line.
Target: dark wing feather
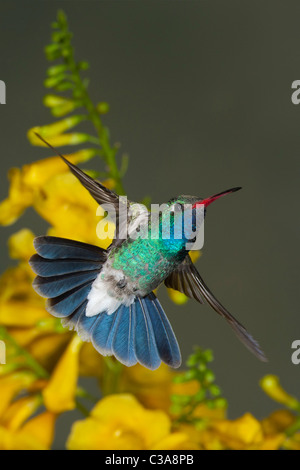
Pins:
x,y
102,195
186,279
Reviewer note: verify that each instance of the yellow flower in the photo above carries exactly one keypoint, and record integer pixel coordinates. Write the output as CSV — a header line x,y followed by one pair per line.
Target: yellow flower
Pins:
x,y
275,427
36,174
206,438
59,105
35,434
242,433
51,130
277,422
59,393
152,388
15,285
11,385
70,210
20,410
292,443
20,245
25,182
90,361
194,255
176,441
177,297
20,197
119,422
47,348
60,140
271,386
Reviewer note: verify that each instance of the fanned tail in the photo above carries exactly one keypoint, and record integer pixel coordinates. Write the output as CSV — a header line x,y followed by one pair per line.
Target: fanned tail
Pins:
x,y
138,333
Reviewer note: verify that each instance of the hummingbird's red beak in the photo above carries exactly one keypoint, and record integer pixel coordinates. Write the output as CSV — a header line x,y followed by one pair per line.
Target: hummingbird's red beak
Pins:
x,y
209,200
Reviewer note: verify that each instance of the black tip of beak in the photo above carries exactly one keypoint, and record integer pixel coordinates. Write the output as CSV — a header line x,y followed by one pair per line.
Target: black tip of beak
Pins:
x,y
236,189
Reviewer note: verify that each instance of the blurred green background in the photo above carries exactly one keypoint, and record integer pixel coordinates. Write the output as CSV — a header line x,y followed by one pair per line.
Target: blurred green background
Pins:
x,y
200,96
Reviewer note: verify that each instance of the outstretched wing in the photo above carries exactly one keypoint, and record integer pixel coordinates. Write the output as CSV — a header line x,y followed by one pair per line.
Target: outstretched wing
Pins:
x,y
187,280
103,195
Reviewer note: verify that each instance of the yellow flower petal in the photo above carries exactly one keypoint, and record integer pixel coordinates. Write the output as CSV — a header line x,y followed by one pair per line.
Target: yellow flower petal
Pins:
x,y
272,442
59,105
16,285
119,422
90,361
176,441
277,422
59,394
47,348
5,439
37,173
292,443
204,412
20,197
20,244
64,202
53,129
11,385
177,297
240,433
70,209
152,388
194,255
206,438
20,411
14,313
60,140
271,386
41,428
55,100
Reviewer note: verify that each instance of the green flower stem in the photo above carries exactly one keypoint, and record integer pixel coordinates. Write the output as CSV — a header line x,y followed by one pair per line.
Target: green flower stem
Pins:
x,y
82,408
108,152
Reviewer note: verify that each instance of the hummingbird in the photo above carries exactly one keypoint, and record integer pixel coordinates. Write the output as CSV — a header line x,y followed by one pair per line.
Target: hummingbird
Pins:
x,y
106,295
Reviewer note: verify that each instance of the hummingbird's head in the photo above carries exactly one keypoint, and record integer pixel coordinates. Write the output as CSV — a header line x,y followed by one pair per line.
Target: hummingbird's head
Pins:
x,y
194,210
195,202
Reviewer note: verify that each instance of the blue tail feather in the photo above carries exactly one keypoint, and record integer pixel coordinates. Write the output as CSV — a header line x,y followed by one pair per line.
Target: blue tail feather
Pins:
x,y
124,340
145,345
54,286
165,338
48,268
73,320
85,326
104,332
62,248
66,304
